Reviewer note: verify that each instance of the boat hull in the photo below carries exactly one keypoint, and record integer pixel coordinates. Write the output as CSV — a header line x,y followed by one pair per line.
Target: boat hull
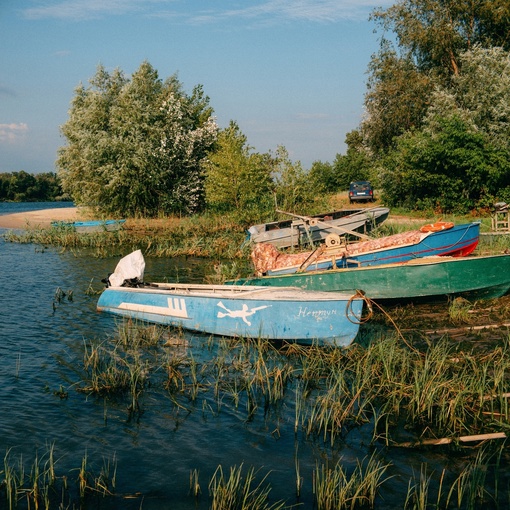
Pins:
x,y
484,277
459,241
287,314
89,227
289,233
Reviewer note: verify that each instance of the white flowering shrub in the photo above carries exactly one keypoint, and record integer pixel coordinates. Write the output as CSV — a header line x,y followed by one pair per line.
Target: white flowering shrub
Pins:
x,y
135,146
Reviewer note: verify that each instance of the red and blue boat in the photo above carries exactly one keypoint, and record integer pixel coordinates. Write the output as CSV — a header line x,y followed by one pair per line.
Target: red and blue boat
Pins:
x,y
438,239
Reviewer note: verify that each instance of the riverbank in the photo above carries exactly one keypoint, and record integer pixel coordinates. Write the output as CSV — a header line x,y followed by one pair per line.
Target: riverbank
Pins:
x,y
39,219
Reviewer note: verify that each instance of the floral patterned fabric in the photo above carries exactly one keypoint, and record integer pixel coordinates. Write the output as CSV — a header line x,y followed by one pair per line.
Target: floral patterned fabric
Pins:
x,y
265,257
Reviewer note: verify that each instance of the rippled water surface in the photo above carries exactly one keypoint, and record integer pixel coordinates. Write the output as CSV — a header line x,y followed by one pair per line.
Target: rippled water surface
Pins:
x,y
15,207
42,351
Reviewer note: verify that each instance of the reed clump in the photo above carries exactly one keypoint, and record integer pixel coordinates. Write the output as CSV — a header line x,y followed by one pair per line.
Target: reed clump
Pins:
x,y
39,485
399,394
204,235
475,486
335,489
119,368
459,310
240,490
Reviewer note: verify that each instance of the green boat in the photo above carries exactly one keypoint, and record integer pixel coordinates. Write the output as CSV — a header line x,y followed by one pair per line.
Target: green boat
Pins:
x,y
480,277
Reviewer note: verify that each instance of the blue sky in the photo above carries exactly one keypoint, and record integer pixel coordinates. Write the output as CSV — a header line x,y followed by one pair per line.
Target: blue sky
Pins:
x,y
289,72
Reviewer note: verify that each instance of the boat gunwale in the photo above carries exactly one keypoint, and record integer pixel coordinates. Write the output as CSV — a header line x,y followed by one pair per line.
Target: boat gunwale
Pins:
x,y
288,293
494,288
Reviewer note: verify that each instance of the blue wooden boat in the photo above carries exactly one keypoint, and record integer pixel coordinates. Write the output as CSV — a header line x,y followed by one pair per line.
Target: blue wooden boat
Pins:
x,y
290,314
455,241
86,227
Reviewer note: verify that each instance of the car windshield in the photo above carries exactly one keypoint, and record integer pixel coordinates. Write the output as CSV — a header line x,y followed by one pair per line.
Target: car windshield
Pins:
x,y
360,185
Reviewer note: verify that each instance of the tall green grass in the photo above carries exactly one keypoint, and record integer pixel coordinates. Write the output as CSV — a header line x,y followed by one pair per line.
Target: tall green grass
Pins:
x,y
204,235
40,485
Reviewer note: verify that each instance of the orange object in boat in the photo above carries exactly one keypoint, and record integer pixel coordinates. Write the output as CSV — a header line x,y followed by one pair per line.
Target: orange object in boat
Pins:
x,y
436,227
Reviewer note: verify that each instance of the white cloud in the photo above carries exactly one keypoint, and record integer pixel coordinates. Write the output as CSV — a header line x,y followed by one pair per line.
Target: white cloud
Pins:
x,y
273,11
12,133
308,10
78,10
261,11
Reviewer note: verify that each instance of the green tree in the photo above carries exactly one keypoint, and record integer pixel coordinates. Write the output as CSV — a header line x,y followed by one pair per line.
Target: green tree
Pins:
x,y
135,146
448,166
436,32
295,190
236,178
323,177
355,164
396,99
46,188
4,186
24,187
21,186
480,93
429,38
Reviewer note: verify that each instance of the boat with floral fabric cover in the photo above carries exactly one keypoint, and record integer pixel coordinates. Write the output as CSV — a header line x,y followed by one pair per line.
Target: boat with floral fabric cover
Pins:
x,y
444,239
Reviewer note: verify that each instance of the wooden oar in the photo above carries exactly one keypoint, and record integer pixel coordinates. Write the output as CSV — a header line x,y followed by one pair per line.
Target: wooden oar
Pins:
x,y
311,258
309,219
449,440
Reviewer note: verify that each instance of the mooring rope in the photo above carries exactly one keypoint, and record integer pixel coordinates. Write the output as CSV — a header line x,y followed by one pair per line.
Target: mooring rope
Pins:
x,y
370,304
359,320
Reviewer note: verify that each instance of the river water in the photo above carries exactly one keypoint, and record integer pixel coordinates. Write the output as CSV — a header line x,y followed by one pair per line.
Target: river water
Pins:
x,y
41,352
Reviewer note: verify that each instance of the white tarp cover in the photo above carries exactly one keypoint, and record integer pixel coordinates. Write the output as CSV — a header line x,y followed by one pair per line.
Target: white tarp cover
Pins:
x,y
131,266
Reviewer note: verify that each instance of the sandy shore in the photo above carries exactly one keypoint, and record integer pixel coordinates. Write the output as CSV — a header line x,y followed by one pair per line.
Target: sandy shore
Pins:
x,y
39,219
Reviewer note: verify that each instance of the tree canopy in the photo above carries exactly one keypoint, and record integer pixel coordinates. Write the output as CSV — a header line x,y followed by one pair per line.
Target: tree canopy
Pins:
x,y
424,51
236,177
135,146
449,166
435,32
460,157
441,78
24,187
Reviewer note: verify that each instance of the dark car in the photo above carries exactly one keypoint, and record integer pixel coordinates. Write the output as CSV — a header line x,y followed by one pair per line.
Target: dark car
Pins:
x,y
361,190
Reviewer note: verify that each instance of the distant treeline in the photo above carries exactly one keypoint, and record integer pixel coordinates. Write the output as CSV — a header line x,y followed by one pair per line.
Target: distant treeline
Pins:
x,y
24,187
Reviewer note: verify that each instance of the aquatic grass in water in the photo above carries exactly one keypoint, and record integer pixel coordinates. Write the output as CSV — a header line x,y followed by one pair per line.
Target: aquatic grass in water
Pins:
x,y
442,391
334,489
240,491
40,486
113,370
469,489
201,236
